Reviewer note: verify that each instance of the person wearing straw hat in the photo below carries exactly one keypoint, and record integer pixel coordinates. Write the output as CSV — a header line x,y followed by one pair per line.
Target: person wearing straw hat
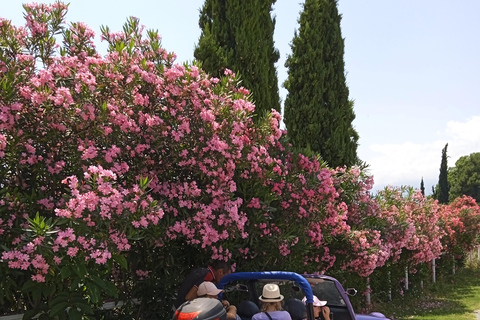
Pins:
x,y
319,307
271,304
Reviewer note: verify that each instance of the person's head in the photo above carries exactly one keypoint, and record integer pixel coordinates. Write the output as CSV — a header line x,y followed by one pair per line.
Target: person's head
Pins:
x,y
271,298
220,269
317,305
208,289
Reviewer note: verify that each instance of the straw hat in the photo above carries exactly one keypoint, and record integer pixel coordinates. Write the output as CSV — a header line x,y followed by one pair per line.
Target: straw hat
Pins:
x,y
271,293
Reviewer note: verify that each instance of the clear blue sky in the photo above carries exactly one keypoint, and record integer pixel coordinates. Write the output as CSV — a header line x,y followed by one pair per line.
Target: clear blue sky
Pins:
x,y
413,69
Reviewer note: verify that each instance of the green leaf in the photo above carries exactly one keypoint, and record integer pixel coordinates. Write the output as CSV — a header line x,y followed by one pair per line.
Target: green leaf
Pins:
x,y
121,260
111,290
61,297
74,314
65,272
84,307
59,222
144,183
58,308
29,285
49,289
44,316
80,270
36,293
29,314
76,296
94,293
119,46
75,284
108,287
97,280
104,107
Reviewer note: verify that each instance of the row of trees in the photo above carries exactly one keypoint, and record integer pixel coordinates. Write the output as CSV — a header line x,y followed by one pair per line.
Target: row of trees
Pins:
x,y
119,173
317,112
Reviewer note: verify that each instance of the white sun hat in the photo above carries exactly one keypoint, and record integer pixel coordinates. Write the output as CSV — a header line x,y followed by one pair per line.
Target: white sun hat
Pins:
x,y
208,288
316,302
271,293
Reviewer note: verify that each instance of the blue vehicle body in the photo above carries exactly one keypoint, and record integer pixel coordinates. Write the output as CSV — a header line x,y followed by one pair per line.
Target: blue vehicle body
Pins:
x,y
324,287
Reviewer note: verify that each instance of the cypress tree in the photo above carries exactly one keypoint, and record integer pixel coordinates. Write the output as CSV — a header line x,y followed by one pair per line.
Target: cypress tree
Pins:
x,y
422,187
443,185
318,113
238,35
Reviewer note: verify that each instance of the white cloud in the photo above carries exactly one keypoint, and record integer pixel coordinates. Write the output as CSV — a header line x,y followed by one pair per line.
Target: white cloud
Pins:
x,y
408,162
465,134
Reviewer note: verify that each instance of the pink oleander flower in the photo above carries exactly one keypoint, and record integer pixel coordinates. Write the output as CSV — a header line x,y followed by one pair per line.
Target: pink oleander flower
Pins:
x,y
38,278
72,251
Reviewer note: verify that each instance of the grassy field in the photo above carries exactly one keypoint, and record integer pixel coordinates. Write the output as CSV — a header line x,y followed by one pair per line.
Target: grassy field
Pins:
x,y
456,297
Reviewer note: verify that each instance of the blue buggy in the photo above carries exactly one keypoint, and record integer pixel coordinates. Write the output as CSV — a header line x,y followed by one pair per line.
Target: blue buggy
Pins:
x,y
244,288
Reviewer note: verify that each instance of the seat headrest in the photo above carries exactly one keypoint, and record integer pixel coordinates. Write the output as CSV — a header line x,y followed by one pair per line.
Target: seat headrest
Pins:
x,y
296,308
247,309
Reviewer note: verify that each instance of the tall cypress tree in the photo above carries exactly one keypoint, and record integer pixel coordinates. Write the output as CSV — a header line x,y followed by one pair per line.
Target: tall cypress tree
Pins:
x,y
422,187
443,185
238,35
318,113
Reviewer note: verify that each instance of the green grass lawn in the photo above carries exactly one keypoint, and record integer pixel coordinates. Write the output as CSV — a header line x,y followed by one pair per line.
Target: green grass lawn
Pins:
x,y
455,297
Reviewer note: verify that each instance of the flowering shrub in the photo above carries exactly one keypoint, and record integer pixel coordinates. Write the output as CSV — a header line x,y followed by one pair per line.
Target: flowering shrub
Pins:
x,y
119,173
461,222
367,251
410,225
102,156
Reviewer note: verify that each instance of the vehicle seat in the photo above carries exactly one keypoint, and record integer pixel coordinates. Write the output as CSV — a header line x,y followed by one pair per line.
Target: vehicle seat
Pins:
x,y
296,308
246,309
